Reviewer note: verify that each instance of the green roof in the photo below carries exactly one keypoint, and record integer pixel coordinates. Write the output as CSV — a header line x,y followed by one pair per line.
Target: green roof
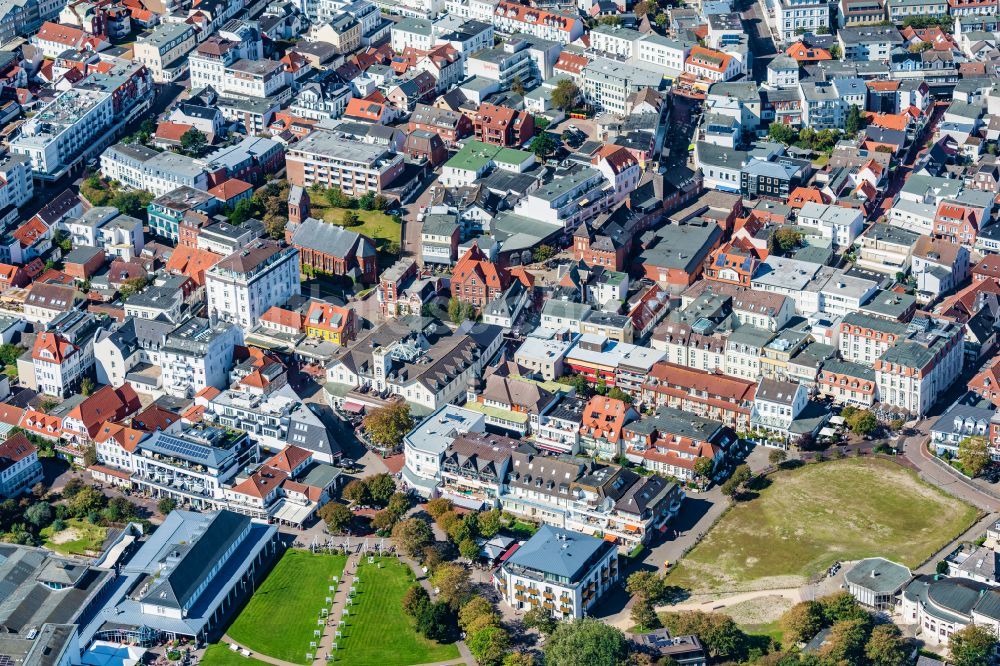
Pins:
x,y
476,156
497,413
878,575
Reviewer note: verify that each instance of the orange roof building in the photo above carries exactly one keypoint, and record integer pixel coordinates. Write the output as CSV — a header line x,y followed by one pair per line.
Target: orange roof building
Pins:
x,y
477,280
802,53
330,322
192,262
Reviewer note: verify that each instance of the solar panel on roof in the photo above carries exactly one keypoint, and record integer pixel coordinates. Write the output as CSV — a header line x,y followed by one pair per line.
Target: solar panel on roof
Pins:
x,y
6,660
184,448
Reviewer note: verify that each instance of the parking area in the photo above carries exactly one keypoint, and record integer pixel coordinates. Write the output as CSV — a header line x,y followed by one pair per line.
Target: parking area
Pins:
x,y
585,125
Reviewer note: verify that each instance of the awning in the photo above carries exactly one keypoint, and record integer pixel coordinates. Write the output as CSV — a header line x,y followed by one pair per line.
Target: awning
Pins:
x,y
611,537
354,407
631,528
663,527
513,549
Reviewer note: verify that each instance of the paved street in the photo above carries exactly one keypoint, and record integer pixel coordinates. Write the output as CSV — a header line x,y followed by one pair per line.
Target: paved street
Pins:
x,y
761,42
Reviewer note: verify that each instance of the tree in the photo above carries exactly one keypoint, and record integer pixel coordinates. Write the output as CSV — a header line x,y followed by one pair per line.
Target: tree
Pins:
x,y
647,585
489,523
782,133
517,85
543,253
350,219
489,645
885,646
802,621
846,642
132,202
383,488
585,642
385,521
39,514
90,456
735,484
564,95
415,600
413,536
661,19
438,506
703,466
861,422
612,20
972,646
855,120
475,608
541,619
87,386
543,145
578,382
366,201
456,310
519,659
194,142
241,212
166,505
619,394
469,549
119,510
336,516
387,425
835,51
87,500
437,622
841,606
777,456
643,614
783,240
719,633
336,197
357,491
9,353
974,455
453,584
643,7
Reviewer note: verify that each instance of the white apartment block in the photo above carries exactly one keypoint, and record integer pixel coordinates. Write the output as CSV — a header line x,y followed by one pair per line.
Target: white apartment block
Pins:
x,y
16,184
63,130
480,10
836,223
663,52
510,18
164,49
791,16
559,570
615,40
247,283
912,374
198,354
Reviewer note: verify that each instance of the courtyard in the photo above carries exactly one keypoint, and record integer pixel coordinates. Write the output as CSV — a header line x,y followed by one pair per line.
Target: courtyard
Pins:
x,y
810,517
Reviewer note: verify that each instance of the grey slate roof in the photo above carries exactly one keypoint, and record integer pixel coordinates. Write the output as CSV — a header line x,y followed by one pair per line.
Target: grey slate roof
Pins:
x,y
560,552
331,239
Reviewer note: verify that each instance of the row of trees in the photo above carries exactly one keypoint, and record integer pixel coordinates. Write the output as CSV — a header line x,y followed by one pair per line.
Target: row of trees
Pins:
x,y
807,138
335,197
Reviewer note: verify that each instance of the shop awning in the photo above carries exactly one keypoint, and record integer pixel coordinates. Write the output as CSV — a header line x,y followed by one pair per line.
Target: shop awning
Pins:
x,y
513,549
353,407
611,537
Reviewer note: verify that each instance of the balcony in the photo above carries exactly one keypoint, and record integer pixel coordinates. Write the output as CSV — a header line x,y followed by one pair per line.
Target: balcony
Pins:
x,y
548,595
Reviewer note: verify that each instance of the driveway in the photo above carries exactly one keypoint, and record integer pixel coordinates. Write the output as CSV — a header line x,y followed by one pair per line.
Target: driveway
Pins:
x,y
943,476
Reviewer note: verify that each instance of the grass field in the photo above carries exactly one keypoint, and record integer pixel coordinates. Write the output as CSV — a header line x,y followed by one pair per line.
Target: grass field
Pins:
x,y
813,516
378,226
220,655
377,632
79,538
281,616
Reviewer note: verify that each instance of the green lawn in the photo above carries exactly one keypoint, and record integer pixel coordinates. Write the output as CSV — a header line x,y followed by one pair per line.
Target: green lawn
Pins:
x,y
219,654
281,616
378,226
79,538
377,632
810,517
